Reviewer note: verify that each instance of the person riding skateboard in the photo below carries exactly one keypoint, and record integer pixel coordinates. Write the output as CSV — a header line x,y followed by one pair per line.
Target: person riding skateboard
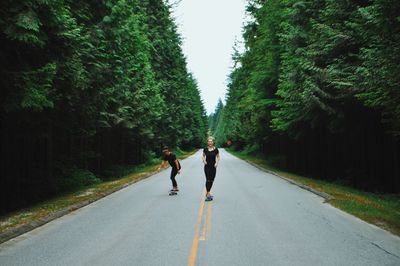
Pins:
x,y
175,167
210,159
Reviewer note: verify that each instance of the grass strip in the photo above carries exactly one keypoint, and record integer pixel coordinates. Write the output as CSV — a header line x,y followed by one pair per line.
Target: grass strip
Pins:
x,y
382,210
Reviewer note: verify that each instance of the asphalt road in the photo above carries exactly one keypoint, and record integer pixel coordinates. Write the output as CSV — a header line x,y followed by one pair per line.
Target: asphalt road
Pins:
x,y
255,219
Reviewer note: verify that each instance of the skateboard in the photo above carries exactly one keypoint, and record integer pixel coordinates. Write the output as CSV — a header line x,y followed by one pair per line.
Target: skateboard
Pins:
x,y
173,193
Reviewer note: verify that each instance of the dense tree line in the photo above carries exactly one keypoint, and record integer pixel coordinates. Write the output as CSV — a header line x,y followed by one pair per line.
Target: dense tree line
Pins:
x,y
317,89
215,118
86,85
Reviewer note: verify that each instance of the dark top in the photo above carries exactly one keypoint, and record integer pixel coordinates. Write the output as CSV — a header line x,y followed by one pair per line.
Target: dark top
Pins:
x,y
171,158
210,156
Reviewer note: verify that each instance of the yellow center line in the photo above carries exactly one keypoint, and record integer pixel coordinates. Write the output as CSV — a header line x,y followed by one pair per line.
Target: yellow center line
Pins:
x,y
195,243
206,230
207,222
203,230
209,215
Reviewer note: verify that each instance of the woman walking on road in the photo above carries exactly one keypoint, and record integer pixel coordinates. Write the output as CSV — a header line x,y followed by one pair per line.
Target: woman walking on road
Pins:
x,y
210,159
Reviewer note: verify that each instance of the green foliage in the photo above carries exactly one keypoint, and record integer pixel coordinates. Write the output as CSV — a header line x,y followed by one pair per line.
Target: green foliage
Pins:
x,y
75,178
37,87
379,28
25,27
215,118
253,83
318,87
90,84
183,121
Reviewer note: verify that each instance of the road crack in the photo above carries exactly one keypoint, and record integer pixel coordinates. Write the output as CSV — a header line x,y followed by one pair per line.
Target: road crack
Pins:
x,y
376,245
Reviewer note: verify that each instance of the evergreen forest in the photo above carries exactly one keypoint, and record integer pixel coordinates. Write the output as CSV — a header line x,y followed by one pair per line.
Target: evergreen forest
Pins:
x,y
317,90
87,86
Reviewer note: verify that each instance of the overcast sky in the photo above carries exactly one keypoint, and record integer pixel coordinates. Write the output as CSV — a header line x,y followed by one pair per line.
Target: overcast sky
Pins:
x,y
209,29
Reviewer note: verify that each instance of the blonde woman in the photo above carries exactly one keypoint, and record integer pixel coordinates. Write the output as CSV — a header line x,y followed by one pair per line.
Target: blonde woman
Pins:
x,y
210,159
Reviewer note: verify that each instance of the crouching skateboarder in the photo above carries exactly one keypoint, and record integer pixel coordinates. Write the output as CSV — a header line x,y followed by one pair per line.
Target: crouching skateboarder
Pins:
x,y
175,168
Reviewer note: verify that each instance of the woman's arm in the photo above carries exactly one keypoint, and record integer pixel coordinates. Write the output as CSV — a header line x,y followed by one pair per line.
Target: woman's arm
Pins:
x,y
177,165
217,160
161,166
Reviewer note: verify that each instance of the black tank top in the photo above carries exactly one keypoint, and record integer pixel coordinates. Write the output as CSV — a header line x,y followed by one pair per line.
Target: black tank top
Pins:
x,y
210,156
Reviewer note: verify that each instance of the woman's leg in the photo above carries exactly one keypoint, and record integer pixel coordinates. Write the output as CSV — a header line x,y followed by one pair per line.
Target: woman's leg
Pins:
x,y
174,172
210,176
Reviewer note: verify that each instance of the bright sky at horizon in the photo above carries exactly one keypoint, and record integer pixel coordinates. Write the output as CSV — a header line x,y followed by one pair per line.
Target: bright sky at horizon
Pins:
x,y
209,29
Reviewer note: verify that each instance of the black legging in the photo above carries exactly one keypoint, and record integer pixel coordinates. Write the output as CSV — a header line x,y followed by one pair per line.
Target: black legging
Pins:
x,y
174,172
210,172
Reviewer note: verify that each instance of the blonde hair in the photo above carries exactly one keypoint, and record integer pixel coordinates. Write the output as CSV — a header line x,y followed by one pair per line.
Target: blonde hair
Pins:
x,y
212,138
